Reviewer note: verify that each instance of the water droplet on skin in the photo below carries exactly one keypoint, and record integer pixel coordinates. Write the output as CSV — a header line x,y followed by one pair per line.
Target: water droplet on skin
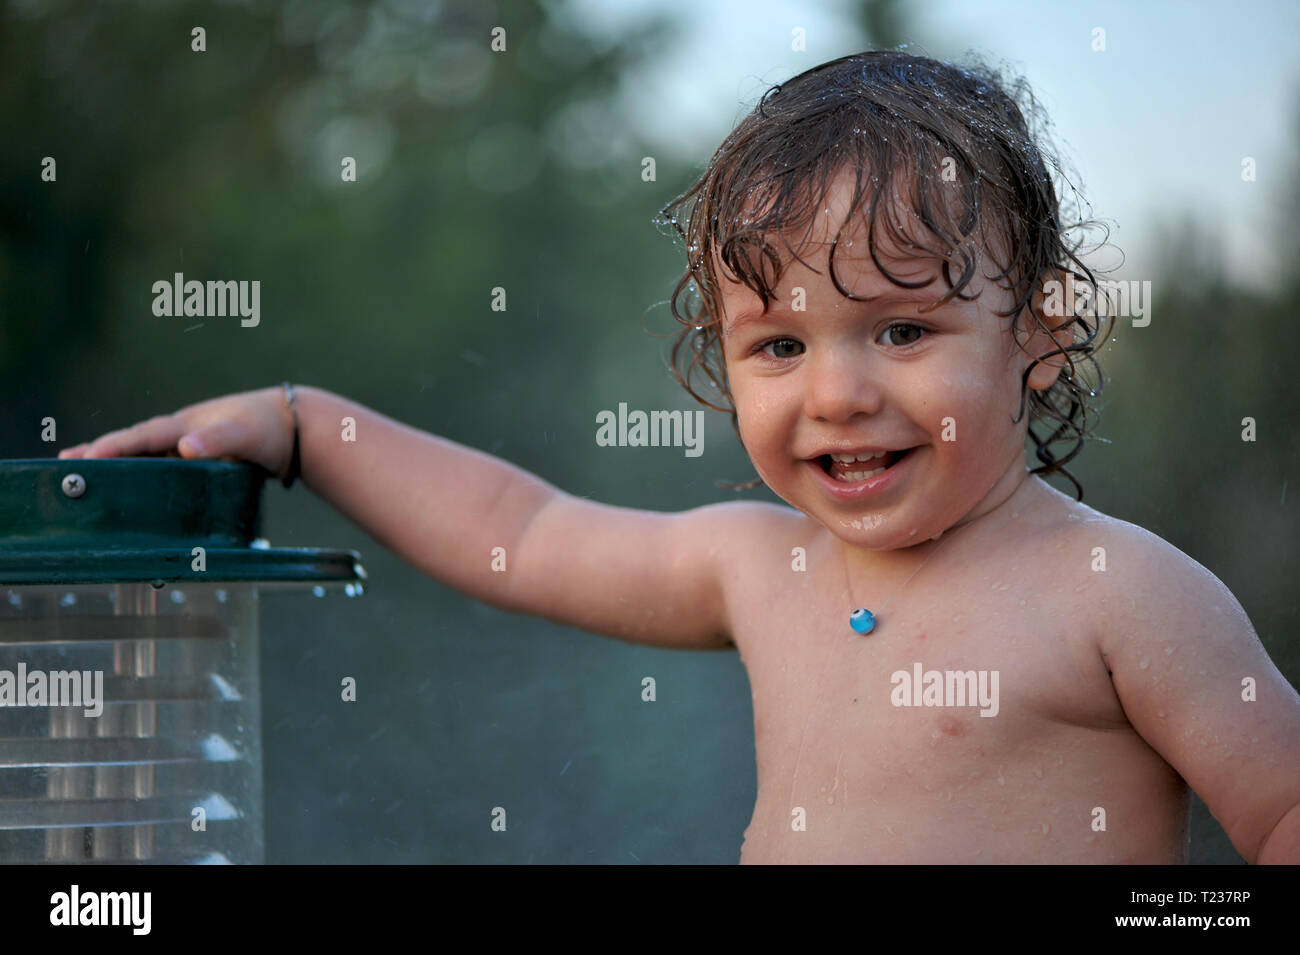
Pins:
x,y
830,800
1038,772
1002,781
1046,828
1143,663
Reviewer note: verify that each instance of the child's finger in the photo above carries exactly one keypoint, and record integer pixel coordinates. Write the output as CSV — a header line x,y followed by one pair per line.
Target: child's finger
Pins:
x,y
73,452
226,437
148,437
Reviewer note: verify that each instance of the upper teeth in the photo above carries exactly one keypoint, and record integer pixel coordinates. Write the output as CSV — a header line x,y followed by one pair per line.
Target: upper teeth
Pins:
x,y
850,458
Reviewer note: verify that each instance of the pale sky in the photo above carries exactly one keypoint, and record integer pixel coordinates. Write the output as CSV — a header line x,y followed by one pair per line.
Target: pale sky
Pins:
x,y
1156,126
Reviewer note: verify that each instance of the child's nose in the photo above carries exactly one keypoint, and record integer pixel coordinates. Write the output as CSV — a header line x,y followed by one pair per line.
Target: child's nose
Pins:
x,y
840,386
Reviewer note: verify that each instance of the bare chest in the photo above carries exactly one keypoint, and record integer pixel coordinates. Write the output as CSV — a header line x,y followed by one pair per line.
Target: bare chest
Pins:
x,y
979,703
982,648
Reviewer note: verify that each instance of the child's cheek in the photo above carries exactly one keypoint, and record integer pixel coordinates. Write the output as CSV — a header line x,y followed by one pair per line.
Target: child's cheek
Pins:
x,y
977,410
756,439
762,439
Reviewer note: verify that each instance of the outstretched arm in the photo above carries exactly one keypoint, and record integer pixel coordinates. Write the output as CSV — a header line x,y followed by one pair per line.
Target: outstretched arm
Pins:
x,y
473,521
637,575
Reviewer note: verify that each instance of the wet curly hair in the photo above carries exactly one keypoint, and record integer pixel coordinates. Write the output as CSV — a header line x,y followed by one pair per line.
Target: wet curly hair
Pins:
x,y
891,112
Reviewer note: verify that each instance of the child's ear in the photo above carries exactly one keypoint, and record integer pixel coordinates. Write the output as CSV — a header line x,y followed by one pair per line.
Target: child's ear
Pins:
x,y
1053,306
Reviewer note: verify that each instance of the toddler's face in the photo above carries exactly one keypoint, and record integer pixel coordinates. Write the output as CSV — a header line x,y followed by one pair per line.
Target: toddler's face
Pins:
x,y
849,376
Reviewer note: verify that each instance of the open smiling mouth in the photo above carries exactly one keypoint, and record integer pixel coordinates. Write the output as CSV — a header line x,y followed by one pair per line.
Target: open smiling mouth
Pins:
x,y
857,470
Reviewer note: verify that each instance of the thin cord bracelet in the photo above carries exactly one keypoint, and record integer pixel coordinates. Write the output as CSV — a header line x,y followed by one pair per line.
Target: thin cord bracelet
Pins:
x,y
295,463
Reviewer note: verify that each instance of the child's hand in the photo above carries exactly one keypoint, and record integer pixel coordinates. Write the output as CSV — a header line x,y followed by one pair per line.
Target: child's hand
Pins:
x,y
253,425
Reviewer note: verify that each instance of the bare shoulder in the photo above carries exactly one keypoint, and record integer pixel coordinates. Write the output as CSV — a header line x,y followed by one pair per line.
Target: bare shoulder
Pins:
x,y
738,527
739,532
1130,583
1140,579
1123,562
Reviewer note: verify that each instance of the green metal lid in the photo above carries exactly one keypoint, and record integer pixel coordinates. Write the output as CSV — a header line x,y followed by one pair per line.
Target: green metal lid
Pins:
x,y
119,520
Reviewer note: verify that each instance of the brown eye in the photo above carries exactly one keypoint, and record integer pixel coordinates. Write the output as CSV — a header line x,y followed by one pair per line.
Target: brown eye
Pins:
x,y
910,334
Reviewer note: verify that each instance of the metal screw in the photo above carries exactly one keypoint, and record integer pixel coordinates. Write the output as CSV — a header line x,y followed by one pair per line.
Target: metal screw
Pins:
x,y
74,485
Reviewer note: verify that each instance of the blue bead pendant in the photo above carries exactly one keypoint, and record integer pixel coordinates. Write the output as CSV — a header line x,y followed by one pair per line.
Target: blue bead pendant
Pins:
x,y
862,621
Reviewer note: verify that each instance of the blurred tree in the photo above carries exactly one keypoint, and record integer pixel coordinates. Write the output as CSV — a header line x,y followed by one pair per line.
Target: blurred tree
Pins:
x,y
475,169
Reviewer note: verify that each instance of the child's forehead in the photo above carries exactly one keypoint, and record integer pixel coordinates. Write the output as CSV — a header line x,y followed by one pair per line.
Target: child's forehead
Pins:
x,y
805,248
899,243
